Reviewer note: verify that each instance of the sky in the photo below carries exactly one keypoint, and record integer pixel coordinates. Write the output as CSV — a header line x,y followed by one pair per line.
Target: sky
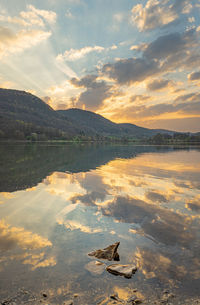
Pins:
x,y
128,60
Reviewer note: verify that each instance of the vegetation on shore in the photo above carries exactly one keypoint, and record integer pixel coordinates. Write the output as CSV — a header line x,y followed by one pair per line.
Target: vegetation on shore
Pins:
x,y
27,132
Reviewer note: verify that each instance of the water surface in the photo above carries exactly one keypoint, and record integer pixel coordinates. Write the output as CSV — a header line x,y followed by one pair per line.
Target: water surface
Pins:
x,y
59,202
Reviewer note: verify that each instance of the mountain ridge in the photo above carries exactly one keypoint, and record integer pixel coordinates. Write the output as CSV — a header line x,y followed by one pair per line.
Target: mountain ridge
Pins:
x,y
23,114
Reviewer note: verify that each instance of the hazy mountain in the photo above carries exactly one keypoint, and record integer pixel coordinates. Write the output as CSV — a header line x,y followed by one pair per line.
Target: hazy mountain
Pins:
x,y
22,114
131,129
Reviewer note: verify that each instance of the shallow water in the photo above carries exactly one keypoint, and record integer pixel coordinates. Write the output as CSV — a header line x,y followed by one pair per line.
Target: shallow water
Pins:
x,y
59,202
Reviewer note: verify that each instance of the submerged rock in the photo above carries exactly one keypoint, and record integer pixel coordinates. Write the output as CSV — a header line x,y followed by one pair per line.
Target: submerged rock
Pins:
x,y
124,270
95,267
109,253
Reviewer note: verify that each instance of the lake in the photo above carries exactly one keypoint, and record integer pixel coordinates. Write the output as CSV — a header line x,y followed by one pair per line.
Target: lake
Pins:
x,y
60,202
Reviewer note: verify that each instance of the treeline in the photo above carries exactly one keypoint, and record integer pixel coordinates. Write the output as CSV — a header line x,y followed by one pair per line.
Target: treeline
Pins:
x,y
22,131
176,138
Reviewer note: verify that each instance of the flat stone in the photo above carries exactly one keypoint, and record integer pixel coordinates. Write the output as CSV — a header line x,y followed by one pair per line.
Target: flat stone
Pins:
x,y
109,253
95,267
124,270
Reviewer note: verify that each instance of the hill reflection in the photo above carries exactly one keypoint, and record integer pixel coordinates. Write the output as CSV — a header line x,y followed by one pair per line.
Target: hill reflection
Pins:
x,y
25,165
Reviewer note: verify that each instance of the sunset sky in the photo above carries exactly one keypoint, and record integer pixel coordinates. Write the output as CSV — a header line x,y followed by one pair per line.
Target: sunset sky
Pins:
x,y
128,60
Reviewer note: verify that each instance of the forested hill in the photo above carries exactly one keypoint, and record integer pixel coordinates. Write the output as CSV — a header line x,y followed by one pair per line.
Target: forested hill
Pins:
x,y
25,116
24,113
90,122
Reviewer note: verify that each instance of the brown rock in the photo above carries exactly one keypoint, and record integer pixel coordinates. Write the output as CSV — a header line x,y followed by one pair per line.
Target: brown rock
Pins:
x,y
109,253
124,270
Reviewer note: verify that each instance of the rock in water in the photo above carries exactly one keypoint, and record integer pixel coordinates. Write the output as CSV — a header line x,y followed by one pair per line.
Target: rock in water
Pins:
x,y
109,253
95,267
124,270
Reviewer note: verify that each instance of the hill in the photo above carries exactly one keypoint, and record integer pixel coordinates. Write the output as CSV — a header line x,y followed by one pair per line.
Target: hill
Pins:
x,y
25,116
22,114
90,122
93,123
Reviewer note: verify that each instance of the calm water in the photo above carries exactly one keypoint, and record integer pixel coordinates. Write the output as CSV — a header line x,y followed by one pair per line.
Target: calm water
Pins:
x,y
57,203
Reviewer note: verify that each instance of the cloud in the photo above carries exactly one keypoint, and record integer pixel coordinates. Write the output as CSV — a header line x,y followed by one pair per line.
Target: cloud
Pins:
x,y
175,51
139,98
179,123
156,14
194,76
165,54
48,16
68,14
14,20
191,97
131,70
185,109
76,54
118,17
86,81
31,17
179,114
159,84
94,95
170,44
141,47
11,42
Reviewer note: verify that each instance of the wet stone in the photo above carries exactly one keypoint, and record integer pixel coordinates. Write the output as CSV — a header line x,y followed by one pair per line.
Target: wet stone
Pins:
x,y
123,270
109,253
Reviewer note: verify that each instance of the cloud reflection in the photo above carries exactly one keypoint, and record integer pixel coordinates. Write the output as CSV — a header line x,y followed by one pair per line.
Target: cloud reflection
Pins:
x,y
26,244
150,203
11,237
